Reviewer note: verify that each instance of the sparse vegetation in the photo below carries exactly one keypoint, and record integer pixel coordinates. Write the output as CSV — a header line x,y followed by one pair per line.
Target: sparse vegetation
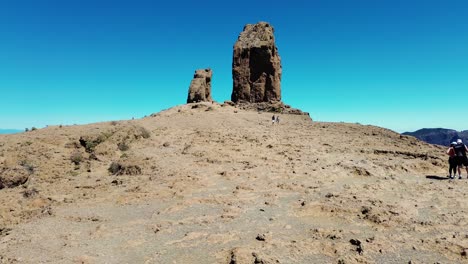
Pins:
x,y
91,143
76,157
33,128
123,146
73,173
27,165
114,168
145,133
114,123
26,130
26,143
119,168
28,193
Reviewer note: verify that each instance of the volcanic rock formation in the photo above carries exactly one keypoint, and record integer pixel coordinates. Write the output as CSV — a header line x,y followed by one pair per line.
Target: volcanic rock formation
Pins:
x,y
200,87
256,65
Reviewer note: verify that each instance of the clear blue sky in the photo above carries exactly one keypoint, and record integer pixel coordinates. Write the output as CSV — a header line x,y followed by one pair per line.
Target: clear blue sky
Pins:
x,y
396,64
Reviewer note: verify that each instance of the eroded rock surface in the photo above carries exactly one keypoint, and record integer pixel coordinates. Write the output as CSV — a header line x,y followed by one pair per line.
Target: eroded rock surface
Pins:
x,y
200,87
256,65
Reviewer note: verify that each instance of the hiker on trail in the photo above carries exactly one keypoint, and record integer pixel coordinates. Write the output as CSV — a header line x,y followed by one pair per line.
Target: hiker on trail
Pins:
x,y
460,156
452,160
273,120
277,119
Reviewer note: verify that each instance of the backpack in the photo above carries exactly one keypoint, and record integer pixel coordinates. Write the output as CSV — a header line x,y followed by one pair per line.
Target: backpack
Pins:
x,y
460,150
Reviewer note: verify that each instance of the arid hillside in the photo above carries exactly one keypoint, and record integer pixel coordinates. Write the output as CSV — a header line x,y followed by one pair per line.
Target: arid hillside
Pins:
x,y
211,183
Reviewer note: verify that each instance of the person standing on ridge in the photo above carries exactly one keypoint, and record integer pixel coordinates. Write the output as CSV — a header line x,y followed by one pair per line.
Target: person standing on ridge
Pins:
x,y
452,160
460,156
273,119
277,119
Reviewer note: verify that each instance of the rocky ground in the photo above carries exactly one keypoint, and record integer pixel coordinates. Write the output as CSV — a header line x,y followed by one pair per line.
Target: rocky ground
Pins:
x,y
210,183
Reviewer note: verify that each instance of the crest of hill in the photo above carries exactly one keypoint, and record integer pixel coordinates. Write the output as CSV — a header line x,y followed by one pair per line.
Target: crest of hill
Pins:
x,y
192,162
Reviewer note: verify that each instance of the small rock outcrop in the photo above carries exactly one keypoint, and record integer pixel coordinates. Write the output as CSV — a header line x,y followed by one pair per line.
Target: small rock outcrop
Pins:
x,y
200,87
256,65
12,177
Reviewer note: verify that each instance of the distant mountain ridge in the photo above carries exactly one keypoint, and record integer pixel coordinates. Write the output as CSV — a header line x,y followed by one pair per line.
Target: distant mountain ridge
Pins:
x,y
9,131
439,136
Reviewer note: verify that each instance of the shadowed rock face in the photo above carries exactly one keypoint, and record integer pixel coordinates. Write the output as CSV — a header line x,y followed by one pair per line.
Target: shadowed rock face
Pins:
x,y
200,87
256,65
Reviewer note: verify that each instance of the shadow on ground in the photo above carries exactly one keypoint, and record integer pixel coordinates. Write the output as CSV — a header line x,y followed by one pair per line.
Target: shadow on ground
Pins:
x,y
435,177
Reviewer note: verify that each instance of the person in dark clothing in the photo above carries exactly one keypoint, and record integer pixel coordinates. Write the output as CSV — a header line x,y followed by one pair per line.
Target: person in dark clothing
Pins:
x,y
273,119
460,156
452,161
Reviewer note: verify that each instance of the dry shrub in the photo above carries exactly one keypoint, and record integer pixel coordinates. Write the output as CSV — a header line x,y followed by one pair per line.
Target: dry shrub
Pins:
x,y
28,193
121,168
123,146
145,133
76,157
28,166
90,143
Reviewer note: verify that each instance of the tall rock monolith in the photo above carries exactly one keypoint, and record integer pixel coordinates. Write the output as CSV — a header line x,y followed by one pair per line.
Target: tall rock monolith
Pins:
x,y
200,86
256,65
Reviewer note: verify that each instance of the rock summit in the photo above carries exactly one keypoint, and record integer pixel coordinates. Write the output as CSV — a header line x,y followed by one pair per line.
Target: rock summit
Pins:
x,y
256,65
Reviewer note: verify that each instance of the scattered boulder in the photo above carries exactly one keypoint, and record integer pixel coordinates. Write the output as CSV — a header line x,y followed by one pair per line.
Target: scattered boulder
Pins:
x,y
228,102
12,177
4,232
117,182
256,65
261,237
200,87
240,256
358,244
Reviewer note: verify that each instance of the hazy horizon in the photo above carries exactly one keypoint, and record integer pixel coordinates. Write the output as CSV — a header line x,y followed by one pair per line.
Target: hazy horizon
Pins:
x,y
9,131
393,64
